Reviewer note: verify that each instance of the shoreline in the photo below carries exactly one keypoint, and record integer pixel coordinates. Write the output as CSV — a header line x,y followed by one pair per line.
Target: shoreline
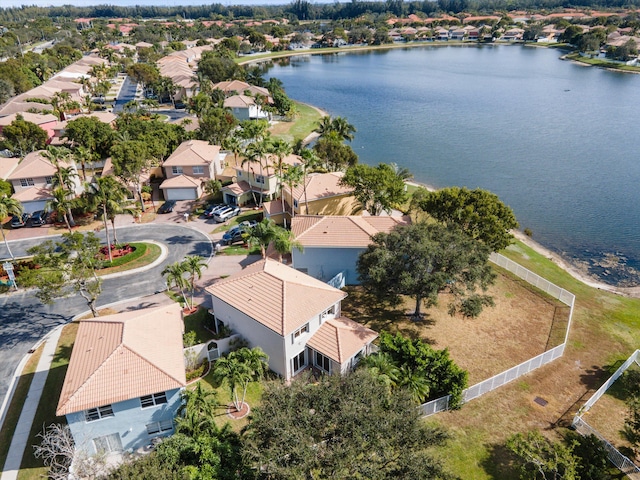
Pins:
x,y
556,258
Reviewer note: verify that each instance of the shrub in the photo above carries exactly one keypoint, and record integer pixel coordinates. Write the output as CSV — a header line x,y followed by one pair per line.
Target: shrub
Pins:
x,y
197,372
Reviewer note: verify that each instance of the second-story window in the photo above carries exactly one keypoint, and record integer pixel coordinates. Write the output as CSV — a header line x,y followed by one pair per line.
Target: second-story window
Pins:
x,y
299,332
48,180
153,400
260,179
176,170
97,413
27,182
198,170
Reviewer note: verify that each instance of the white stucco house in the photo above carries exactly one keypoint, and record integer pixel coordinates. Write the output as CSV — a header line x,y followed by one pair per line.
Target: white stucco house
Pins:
x,y
124,379
296,319
332,244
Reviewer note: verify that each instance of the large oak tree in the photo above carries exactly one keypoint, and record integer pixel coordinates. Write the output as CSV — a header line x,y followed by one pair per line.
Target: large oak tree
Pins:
x,y
421,260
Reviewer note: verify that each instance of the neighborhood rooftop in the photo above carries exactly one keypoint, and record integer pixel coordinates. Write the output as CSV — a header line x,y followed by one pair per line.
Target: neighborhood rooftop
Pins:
x,y
276,295
341,338
123,356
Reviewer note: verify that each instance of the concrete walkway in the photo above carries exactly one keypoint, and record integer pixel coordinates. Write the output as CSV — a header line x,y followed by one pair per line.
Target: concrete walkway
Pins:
x,y
23,428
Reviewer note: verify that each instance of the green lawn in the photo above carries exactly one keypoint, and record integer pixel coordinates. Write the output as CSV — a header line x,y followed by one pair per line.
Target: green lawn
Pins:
x,y
246,216
31,467
240,250
195,322
15,407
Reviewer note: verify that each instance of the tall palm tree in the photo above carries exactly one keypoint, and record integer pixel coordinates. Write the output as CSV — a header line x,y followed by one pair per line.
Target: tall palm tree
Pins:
x,y
196,411
262,234
415,381
280,149
108,195
284,243
175,277
383,368
193,265
292,177
64,179
61,205
309,162
401,172
234,145
84,155
258,152
240,368
339,125
8,206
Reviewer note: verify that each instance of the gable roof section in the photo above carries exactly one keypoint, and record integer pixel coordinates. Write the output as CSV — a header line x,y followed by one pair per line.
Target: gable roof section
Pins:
x,y
321,185
276,295
193,152
124,356
34,165
8,165
181,181
32,194
341,338
341,231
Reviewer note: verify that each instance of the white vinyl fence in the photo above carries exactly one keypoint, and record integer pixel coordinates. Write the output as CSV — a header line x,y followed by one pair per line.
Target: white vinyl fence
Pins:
x,y
479,389
618,459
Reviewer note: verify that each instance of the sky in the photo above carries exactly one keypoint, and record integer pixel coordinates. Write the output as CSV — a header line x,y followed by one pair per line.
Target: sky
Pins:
x,y
128,3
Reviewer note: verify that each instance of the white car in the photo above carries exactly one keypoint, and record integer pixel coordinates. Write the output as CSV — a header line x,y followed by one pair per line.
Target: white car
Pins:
x,y
226,214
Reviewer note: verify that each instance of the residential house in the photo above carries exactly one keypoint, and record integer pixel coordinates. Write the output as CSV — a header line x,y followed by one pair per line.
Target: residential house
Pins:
x,y
124,379
32,181
331,244
244,107
192,163
46,122
324,195
255,180
294,318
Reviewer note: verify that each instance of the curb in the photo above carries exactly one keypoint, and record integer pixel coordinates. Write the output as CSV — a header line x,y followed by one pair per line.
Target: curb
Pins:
x,y
164,253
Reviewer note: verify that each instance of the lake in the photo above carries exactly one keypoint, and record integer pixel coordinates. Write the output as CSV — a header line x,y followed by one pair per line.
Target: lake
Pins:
x,y
556,141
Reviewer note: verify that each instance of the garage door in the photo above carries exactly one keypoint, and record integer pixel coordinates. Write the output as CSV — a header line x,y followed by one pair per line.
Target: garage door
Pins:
x,y
180,194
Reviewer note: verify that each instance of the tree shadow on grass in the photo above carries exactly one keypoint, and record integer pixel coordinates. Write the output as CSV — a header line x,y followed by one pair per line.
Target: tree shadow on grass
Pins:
x,y
369,310
500,462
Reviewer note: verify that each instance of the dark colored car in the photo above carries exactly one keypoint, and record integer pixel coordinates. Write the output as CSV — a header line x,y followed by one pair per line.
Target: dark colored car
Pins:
x,y
19,221
167,207
38,219
235,234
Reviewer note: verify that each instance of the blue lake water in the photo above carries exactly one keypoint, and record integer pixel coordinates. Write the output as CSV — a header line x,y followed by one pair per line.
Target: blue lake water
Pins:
x,y
555,140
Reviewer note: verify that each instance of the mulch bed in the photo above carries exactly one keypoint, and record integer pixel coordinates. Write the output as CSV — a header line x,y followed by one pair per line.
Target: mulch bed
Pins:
x,y
235,414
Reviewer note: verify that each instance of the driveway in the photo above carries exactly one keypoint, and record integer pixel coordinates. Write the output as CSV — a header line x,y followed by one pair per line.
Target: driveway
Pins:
x,y
24,320
127,93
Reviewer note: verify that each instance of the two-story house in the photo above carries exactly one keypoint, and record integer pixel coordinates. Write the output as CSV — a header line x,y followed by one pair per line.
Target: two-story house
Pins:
x,y
294,318
254,182
124,379
192,163
32,181
332,244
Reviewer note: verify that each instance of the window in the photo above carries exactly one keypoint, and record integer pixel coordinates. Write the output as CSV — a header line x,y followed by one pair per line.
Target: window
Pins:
x,y
239,172
198,170
48,180
97,413
108,443
176,170
299,361
295,203
153,400
323,363
26,182
260,179
301,331
159,427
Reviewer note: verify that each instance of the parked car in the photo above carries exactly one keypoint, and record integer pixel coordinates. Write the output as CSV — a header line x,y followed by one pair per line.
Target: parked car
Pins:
x,y
167,207
233,235
248,224
19,221
38,219
212,209
226,214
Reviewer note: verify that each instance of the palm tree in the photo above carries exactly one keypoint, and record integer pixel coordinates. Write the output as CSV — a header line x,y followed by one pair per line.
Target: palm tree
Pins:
x,y
324,126
284,242
8,206
196,411
292,177
234,145
280,148
240,368
84,155
175,276
383,368
338,125
211,186
309,161
61,205
64,178
415,381
262,234
257,152
401,172
193,265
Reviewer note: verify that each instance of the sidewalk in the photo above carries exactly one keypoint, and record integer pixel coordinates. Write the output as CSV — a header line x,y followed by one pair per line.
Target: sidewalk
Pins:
x,y
23,428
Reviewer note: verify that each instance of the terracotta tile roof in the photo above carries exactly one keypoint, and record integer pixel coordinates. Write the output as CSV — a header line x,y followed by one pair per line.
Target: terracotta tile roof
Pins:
x,y
124,356
34,165
238,188
321,185
341,338
193,152
239,101
17,106
276,295
7,165
240,87
181,181
36,118
32,194
341,231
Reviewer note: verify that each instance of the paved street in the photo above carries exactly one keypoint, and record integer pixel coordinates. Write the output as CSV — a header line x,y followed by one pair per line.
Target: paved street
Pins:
x,y
24,320
127,93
